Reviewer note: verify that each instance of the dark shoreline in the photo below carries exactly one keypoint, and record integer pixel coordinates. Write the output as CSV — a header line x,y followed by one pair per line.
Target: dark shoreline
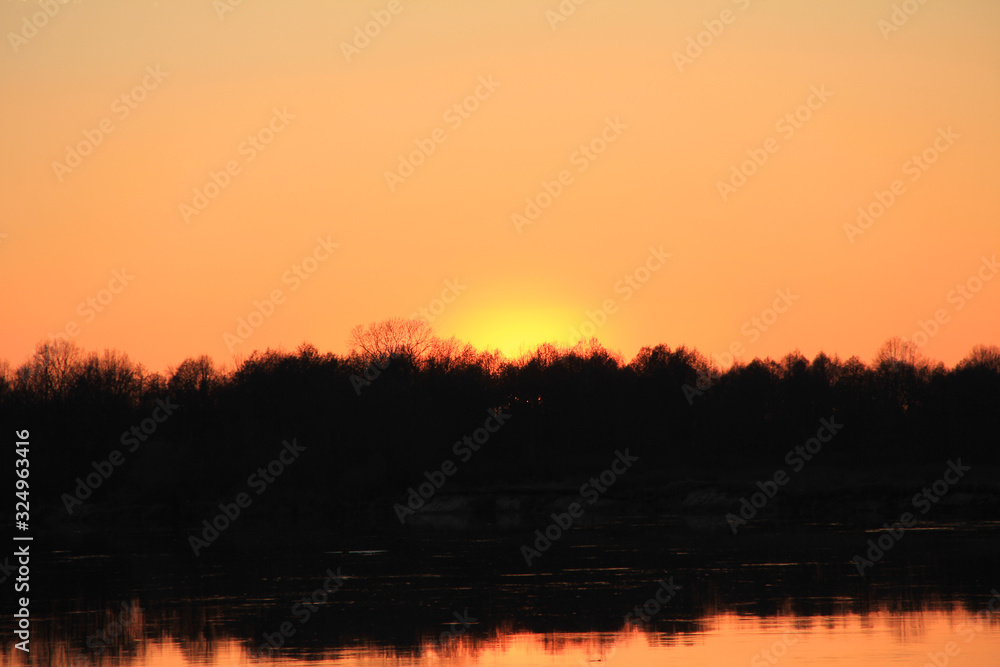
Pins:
x,y
698,498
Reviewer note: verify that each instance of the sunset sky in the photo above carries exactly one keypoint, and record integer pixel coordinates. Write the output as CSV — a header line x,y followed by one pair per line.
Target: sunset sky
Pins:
x,y
622,121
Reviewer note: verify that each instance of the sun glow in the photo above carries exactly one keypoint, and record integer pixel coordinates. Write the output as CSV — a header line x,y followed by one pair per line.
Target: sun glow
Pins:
x,y
516,331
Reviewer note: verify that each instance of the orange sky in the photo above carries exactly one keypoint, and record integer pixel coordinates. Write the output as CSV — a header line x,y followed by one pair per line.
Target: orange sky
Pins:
x,y
664,132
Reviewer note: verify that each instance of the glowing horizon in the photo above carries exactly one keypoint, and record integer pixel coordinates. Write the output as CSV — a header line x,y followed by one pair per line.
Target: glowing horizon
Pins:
x,y
276,164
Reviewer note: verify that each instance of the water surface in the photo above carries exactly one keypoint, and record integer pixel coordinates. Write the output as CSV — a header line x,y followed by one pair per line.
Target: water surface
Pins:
x,y
467,597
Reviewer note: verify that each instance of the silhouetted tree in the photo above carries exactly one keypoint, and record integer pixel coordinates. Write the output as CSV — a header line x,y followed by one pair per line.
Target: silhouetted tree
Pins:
x,y
982,356
51,370
895,352
394,336
194,376
570,407
451,353
110,375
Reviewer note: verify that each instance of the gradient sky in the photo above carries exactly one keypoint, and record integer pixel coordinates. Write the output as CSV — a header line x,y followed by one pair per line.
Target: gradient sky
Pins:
x,y
681,130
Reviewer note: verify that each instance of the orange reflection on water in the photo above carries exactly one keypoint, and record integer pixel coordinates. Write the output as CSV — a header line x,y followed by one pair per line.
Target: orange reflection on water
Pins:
x,y
914,639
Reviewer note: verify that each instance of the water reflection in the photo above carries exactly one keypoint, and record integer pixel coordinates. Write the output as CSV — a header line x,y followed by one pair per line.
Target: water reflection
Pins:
x,y
955,636
466,598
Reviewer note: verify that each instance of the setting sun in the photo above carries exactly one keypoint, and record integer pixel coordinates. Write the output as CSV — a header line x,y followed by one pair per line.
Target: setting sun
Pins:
x,y
511,333
517,330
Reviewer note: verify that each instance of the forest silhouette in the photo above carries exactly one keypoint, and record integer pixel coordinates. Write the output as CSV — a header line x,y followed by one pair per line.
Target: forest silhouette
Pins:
x,y
372,422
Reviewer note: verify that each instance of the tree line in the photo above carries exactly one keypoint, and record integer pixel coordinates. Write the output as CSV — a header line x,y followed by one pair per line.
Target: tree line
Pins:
x,y
375,419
